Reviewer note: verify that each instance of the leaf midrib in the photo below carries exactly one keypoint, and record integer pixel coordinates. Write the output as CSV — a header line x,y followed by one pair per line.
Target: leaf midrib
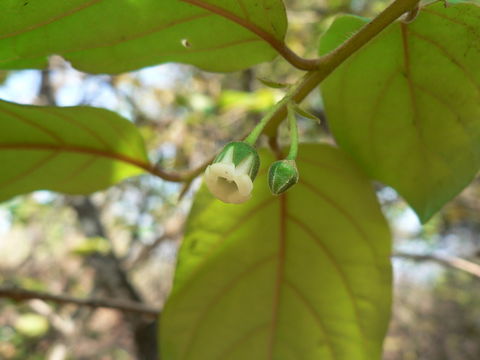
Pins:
x,y
80,150
282,238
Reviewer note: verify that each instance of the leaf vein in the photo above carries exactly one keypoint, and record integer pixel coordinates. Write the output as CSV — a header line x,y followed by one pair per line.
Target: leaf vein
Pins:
x,y
117,128
29,171
242,340
221,294
375,109
346,215
424,150
51,20
137,36
247,216
77,124
282,238
33,124
252,27
75,172
78,149
442,102
336,264
244,9
314,313
448,18
449,56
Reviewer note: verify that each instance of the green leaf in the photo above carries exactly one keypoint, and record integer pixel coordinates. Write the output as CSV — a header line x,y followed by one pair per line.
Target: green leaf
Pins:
x,y
273,84
304,113
407,105
32,325
256,101
91,246
305,275
74,150
122,35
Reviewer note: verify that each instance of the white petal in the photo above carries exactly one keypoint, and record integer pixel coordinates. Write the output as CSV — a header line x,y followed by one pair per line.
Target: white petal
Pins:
x,y
226,184
244,184
219,179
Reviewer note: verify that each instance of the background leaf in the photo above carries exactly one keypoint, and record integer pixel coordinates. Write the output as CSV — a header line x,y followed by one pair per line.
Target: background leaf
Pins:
x,y
74,150
407,105
305,275
113,36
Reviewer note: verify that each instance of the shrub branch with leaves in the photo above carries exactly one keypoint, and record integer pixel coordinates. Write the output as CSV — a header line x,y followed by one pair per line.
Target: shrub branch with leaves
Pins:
x,y
305,274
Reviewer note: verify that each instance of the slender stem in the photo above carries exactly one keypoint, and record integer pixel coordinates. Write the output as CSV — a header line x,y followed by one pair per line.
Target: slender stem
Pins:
x,y
329,62
292,154
187,176
257,131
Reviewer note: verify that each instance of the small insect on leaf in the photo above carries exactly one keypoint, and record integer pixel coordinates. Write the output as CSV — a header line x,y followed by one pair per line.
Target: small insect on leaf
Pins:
x,y
186,44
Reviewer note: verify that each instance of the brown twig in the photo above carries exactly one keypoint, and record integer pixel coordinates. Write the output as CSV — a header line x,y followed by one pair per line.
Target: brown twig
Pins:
x,y
18,294
451,261
192,176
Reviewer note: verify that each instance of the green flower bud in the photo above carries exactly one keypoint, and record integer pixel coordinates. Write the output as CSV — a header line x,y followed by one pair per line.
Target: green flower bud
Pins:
x,y
282,175
230,177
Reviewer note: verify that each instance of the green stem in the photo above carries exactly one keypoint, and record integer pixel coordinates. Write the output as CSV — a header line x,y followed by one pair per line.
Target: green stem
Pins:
x,y
257,131
329,62
292,154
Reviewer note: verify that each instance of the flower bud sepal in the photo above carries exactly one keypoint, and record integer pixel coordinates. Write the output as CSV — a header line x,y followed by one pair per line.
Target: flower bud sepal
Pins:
x,y
282,175
230,177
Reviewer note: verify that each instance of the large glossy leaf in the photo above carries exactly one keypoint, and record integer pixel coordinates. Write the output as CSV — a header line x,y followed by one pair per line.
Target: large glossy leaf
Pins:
x,y
301,276
111,36
73,150
407,106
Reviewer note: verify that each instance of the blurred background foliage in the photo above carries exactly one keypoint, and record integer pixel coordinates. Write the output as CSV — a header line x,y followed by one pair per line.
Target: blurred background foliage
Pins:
x,y
121,243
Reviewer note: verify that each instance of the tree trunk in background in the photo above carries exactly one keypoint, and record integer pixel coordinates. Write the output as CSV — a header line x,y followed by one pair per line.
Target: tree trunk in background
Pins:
x,y
110,279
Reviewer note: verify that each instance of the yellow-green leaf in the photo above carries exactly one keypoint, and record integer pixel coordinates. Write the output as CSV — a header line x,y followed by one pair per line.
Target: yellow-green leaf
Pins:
x,y
407,105
302,276
74,150
32,325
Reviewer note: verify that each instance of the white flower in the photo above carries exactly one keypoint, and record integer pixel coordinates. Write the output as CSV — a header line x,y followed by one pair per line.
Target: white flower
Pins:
x,y
230,177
